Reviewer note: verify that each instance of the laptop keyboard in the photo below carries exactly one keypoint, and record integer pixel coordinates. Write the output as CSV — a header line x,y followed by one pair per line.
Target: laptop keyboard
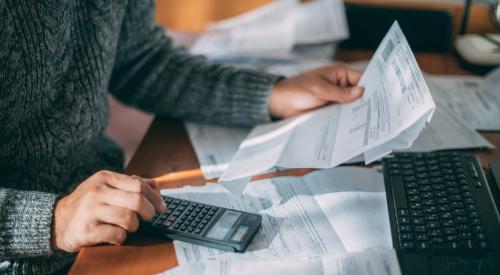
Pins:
x,y
433,203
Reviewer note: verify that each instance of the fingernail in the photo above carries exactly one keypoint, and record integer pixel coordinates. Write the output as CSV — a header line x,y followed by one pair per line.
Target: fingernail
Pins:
x,y
356,91
163,206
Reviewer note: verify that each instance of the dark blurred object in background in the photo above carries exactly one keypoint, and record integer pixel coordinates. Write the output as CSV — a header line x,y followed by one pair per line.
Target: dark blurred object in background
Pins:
x,y
426,30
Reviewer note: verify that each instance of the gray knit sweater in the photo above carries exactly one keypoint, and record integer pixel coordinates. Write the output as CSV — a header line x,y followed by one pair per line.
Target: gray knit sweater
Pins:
x,y
58,59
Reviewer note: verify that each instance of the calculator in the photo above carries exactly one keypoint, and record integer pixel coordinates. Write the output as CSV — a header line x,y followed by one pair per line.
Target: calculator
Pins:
x,y
204,224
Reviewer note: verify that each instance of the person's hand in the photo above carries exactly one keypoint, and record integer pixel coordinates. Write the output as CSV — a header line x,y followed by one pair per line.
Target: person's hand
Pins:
x,y
314,89
103,209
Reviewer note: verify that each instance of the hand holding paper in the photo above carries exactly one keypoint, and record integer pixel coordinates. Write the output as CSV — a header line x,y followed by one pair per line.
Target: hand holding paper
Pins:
x,y
314,89
393,110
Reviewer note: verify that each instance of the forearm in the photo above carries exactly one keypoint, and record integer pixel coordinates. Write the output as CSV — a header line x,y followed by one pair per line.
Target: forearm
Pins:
x,y
25,223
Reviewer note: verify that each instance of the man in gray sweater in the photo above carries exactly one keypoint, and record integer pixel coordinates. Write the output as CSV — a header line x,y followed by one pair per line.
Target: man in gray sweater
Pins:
x,y
58,60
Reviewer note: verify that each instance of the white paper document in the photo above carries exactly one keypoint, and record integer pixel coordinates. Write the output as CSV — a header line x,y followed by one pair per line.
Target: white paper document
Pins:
x,y
272,30
329,211
370,262
393,110
473,100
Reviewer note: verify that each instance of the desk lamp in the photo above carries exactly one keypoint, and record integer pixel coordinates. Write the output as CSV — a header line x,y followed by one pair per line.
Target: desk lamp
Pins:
x,y
479,49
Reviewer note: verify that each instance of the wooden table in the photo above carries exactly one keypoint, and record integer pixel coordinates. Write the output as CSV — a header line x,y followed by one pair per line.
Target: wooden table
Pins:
x,y
167,154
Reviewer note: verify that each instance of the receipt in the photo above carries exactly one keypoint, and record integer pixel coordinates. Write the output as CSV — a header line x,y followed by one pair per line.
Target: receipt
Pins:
x,y
392,112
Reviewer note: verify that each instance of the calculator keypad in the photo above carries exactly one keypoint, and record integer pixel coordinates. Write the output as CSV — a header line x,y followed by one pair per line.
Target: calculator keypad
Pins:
x,y
186,216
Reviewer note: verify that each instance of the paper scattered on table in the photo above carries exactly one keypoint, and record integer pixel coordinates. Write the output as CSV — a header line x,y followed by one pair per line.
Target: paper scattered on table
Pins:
x,y
324,212
471,99
375,261
273,30
393,110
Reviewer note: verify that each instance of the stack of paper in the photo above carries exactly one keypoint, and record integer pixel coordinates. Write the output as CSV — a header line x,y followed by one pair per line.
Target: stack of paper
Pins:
x,y
392,112
323,213
273,30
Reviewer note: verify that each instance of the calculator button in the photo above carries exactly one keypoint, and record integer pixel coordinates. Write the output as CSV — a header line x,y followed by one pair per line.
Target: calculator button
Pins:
x,y
177,226
183,227
197,231
190,229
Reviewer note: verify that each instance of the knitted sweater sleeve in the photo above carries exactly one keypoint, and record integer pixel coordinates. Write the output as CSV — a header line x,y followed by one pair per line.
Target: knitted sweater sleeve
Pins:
x,y
25,223
151,74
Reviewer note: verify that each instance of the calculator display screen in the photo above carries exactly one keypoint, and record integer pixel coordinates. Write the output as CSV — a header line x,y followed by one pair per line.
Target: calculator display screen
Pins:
x,y
224,225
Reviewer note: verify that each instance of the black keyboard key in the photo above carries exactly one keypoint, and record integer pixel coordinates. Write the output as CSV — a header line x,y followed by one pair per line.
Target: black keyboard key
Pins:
x,y
435,233
406,237
415,205
418,220
421,237
414,198
432,217
407,245
404,228
451,238
423,246
402,212
404,220
465,235
450,231
430,209
437,240
420,228
433,224
417,213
